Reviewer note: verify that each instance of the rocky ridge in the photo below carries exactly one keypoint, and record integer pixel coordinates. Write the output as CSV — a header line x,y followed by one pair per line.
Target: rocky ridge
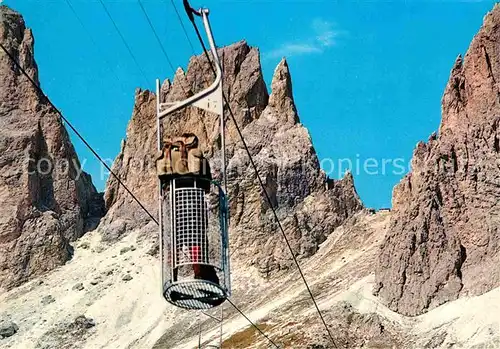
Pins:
x,y
309,204
444,237
47,200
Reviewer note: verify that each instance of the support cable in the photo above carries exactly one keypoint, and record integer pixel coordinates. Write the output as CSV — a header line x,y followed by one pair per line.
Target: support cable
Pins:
x,y
156,35
124,42
189,10
161,45
252,323
182,25
39,90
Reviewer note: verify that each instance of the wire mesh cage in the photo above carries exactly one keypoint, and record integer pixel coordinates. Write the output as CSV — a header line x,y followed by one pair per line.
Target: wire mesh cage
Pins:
x,y
195,260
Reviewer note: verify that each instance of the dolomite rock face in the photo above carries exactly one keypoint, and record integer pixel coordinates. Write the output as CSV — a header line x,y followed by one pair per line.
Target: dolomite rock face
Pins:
x,y
46,200
309,204
443,242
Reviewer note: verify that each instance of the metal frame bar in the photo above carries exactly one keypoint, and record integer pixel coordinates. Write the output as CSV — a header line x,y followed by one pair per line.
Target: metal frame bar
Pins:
x,y
173,222
213,317
217,84
211,95
159,128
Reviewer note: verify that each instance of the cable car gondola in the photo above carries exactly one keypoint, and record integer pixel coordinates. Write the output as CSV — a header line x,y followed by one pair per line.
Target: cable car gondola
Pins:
x,y
192,206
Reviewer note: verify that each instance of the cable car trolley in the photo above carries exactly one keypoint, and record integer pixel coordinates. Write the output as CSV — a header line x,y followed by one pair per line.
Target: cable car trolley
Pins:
x,y
192,206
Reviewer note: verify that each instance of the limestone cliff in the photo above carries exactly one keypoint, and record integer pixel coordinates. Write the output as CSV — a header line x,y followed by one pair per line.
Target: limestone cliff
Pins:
x,y
309,204
46,200
444,239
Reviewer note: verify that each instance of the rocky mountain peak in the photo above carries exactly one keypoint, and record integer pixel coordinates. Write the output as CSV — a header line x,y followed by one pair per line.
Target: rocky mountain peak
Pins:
x,y
20,42
12,25
443,240
47,200
281,148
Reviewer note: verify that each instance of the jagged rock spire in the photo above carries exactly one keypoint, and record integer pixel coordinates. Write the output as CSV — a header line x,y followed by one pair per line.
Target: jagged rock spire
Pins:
x,y
281,98
180,88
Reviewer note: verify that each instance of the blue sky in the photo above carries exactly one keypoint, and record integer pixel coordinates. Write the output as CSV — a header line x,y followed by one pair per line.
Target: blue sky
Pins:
x,y
368,76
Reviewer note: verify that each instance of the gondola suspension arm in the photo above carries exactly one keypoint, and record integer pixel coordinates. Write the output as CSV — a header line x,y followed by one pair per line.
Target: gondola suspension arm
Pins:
x,y
210,99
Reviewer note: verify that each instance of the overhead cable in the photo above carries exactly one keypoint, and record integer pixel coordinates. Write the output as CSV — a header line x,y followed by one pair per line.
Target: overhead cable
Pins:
x,y
124,42
190,12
